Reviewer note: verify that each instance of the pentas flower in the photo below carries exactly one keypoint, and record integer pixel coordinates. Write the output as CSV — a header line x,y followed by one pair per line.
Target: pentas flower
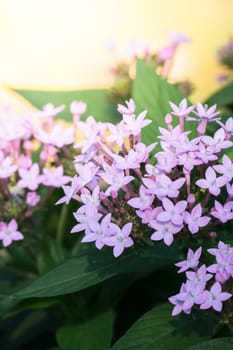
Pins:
x,y
192,260
211,182
129,110
22,174
7,168
9,233
218,142
144,201
30,178
206,113
214,297
97,232
120,240
172,212
182,110
164,231
118,174
226,168
195,220
223,212
200,290
54,177
134,125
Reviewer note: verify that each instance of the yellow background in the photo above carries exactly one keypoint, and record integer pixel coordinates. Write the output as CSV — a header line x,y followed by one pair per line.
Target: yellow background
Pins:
x,y
61,43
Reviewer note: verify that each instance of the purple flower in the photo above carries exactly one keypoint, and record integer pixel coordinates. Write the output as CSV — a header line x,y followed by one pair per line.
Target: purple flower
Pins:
x,y
84,215
54,177
115,178
129,110
191,262
173,212
32,199
120,240
214,298
195,220
144,201
223,212
212,183
218,142
190,293
182,110
9,233
134,125
199,276
205,113
70,191
149,214
98,231
30,178
164,231
226,168
6,166
164,186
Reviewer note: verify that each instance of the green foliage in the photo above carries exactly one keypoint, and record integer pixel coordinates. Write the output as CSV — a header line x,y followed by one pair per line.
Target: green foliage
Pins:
x,y
214,344
223,97
97,102
152,93
157,329
93,333
92,268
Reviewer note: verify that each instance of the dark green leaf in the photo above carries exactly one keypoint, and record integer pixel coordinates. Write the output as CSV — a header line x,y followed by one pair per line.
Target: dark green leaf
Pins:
x,y
97,102
94,267
214,344
223,97
152,93
157,329
92,333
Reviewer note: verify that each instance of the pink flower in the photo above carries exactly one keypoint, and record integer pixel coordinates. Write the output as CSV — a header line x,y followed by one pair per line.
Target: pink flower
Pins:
x,y
134,125
120,240
226,168
9,233
30,178
50,110
191,262
32,199
214,297
98,231
195,220
205,113
212,183
6,167
129,110
223,212
182,110
164,231
54,177
173,212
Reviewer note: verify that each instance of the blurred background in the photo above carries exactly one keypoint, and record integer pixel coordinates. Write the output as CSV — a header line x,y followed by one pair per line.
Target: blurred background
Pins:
x,y
61,44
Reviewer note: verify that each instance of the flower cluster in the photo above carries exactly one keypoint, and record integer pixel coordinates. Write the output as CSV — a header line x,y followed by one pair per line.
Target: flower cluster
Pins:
x,y
205,286
127,195
34,150
161,59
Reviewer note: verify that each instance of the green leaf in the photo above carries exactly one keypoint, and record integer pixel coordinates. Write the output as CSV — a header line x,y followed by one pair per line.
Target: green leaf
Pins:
x,y
94,267
157,329
92,333
152,93
214,344
97,102
223,97
50,254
